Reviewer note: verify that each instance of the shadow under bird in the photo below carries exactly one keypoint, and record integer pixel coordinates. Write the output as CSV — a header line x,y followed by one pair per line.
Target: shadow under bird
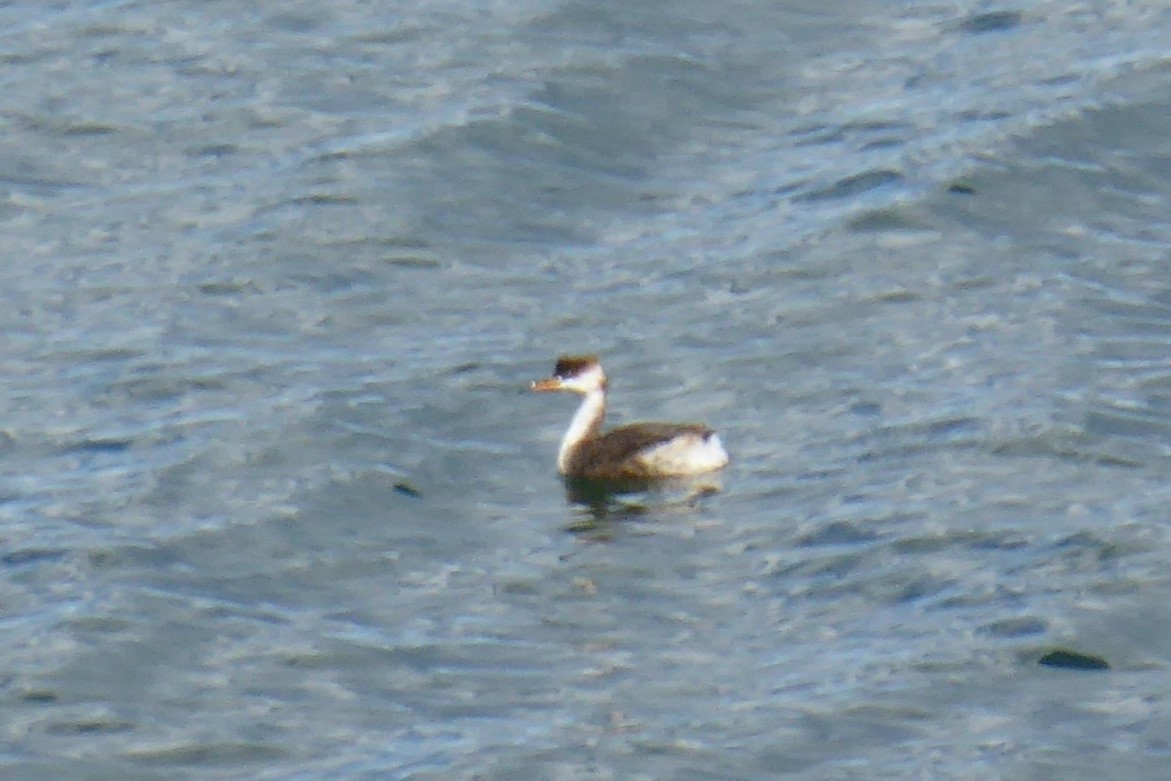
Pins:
x,y
638,452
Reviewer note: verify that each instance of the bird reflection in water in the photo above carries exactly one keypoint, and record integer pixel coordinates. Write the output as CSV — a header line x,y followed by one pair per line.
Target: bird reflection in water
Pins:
x,y
601,506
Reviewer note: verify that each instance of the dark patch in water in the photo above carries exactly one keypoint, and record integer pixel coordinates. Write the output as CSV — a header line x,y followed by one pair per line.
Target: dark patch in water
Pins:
x,y
214,150
888,219
952,426
90,727
1072,660
993,21
40,697
89,129
1021,626
323,199
414,262
29,556
205,755
103,446
406,489
838,533
854,185
959,188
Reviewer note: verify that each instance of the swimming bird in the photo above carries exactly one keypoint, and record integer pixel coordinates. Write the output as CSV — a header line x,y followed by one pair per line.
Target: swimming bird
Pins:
x,y
638,452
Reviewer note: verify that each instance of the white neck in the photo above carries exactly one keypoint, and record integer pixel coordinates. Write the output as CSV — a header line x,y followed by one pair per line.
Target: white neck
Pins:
x,y
586,422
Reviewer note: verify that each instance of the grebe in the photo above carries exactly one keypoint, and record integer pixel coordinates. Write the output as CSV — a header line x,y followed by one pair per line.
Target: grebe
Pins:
x,y
640,451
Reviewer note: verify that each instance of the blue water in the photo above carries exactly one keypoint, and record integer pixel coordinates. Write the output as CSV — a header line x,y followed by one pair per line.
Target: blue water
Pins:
x,y
276,504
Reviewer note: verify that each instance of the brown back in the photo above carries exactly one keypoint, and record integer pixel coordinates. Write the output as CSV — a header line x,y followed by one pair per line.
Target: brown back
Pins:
x,y
613,455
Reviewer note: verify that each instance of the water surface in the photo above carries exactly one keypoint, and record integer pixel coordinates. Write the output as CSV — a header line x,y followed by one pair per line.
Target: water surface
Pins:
x,y
277,506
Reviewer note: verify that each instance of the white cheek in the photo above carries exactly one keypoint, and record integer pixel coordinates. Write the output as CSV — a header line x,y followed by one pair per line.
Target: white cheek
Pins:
x,y
587,381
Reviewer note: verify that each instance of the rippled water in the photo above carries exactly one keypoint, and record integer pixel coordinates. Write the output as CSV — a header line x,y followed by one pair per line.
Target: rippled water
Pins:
x,y
275,504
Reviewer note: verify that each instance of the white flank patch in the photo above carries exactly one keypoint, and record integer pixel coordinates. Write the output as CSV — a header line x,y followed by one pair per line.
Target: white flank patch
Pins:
x,y
686,454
